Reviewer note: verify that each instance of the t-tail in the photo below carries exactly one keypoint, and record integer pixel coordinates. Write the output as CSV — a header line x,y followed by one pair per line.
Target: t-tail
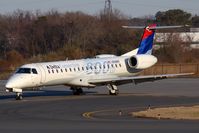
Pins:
x,y
146,43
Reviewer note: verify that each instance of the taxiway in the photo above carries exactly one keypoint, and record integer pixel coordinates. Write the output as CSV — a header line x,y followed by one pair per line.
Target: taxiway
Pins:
x,y
55,109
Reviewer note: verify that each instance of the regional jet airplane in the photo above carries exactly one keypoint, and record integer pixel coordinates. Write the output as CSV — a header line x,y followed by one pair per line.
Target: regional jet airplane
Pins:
x,y
105,69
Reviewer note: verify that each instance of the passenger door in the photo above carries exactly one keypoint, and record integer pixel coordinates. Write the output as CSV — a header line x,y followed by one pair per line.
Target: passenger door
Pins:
x,y
35,77
42,73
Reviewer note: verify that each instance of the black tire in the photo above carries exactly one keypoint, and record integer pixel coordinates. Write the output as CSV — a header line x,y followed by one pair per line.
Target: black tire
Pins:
x,y
113,94
77,91
80,91
19,97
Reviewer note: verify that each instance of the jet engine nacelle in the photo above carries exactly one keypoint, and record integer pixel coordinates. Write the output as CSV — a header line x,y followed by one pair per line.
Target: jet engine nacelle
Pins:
x,y
141,61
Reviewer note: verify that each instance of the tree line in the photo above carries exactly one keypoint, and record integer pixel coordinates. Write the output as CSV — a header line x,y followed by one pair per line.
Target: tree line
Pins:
x,y
32,37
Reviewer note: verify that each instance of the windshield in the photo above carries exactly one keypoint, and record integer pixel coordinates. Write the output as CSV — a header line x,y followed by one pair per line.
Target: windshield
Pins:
x,y
24,70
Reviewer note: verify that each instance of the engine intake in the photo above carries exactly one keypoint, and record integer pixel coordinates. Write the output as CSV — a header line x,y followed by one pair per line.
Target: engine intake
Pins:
x,y
141,61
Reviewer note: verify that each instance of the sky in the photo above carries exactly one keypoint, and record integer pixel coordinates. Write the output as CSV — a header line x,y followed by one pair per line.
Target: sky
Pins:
x,y
132,8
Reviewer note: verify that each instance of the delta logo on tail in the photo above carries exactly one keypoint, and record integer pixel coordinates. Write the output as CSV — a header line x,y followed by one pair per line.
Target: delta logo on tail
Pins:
x,y
146,44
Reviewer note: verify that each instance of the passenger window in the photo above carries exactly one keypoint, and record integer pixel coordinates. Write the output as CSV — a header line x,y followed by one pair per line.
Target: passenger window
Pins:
x,y
52,71
120,65
82,68
61,70
57,71
34,71
70,69
48,71
66,69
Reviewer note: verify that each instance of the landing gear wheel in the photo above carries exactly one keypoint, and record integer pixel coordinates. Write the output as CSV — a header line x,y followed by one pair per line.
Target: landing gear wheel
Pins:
x,y
112,89
77,91
113,92
19,96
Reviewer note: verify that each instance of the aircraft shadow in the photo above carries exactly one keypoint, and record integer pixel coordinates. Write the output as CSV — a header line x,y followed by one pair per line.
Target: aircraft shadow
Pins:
x,y
44,93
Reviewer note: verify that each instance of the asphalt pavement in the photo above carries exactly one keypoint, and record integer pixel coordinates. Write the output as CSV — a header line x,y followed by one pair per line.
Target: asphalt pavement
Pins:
x,y
55,109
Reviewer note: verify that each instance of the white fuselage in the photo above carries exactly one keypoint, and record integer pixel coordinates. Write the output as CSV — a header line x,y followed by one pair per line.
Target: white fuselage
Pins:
x,y
71,73
105,69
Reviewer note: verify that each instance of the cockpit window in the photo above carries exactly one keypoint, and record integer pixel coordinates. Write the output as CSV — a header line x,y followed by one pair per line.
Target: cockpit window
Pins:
x,y
27,70
24,70
34,71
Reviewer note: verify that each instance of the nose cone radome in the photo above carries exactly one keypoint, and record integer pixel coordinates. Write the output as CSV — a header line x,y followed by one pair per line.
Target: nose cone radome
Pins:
x,y
11,83
15,81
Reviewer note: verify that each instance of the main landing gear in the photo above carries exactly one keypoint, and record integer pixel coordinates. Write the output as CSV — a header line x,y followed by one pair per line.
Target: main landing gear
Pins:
x,y
77,90
113,90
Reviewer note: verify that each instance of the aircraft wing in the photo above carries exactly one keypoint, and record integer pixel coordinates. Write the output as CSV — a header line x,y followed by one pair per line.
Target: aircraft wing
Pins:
x,y
134,79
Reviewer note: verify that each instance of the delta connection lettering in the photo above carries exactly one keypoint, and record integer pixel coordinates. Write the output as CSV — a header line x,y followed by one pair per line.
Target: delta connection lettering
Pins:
x,y
53,67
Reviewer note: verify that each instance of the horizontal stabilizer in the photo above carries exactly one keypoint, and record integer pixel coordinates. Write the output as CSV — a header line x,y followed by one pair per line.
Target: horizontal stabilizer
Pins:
x,y
154,28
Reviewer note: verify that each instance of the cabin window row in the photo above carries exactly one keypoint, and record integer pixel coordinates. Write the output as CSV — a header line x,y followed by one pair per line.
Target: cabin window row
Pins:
x,y
84,68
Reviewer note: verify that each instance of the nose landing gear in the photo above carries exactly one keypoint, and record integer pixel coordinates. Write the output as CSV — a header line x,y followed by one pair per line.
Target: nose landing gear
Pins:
x,y
17,91
19,96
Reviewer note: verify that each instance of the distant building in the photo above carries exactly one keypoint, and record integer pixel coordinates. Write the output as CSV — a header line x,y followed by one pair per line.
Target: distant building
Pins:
x,y
191,37
194,29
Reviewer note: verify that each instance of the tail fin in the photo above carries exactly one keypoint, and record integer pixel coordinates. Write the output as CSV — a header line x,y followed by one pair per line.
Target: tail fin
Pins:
x,y
146,43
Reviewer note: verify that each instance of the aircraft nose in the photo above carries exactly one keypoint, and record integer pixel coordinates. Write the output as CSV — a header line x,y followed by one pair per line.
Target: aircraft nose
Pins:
x,y
12,82
17,81
9,84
